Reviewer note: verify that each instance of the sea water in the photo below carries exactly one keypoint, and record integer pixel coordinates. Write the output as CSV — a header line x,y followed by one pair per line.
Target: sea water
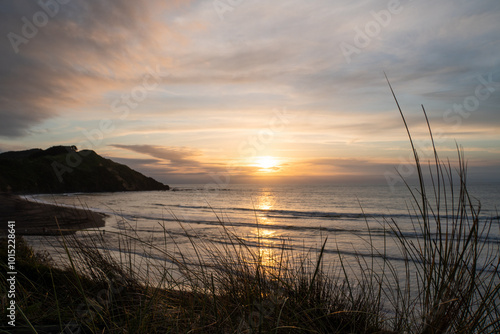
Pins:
x,y
356,221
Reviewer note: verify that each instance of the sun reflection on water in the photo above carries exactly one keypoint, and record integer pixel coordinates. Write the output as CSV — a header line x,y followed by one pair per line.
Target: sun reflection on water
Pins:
x,y
266,237
264,203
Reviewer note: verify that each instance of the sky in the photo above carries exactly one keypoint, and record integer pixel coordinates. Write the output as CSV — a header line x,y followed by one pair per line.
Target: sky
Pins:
x,y
247,91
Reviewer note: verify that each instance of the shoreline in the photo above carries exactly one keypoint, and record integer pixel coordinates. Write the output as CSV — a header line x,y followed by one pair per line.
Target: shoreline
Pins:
x,y
33,218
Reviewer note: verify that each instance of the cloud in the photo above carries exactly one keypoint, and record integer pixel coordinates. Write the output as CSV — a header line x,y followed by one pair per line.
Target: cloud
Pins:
x,y
134,161
346,166
170,161
259,55
178,157
80,52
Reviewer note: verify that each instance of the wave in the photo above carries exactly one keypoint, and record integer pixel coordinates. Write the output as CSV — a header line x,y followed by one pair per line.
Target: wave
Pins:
x,y
291,214
312,222
256,243
365,232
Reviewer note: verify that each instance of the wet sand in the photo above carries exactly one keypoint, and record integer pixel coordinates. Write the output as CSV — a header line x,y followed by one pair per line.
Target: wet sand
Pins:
x,y
43,219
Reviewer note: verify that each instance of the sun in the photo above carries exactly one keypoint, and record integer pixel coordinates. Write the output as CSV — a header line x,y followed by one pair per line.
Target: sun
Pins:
x,y
267,162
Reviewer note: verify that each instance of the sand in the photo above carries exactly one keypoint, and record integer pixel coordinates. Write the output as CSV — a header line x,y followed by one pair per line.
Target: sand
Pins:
x,y
42,219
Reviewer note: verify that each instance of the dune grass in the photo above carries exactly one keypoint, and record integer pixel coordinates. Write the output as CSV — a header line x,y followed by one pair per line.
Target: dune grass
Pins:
x,y
449,283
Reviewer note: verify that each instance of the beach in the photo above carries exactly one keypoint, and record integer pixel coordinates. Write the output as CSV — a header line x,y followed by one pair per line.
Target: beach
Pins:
x,y
34,218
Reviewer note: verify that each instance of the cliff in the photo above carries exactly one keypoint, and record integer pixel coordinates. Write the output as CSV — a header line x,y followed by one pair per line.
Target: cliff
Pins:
x,y
62,169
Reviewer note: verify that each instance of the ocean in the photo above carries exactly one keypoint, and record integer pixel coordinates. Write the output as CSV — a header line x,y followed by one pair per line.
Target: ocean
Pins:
x,y
354,220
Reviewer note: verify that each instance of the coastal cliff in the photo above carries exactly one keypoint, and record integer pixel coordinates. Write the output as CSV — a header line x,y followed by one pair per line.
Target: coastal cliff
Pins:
x,y
64,169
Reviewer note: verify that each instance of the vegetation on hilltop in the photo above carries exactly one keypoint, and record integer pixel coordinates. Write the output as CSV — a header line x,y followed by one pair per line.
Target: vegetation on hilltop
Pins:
x,y
63,169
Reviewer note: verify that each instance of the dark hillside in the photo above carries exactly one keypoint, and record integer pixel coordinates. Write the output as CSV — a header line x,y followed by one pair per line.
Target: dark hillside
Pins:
x,y
61,169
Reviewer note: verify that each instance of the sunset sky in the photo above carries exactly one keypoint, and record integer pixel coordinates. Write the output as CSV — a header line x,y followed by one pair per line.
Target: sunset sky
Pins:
x,y
253,91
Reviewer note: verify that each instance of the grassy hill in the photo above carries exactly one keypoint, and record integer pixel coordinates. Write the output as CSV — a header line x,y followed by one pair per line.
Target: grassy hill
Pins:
x,y
62,169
